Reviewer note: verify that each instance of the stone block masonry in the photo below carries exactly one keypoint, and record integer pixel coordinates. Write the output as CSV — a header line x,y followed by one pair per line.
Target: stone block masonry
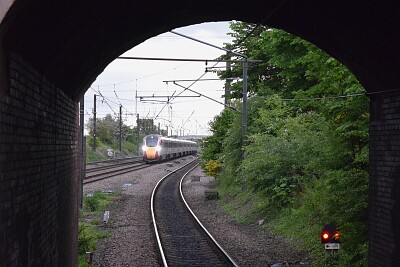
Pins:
x,y
38,171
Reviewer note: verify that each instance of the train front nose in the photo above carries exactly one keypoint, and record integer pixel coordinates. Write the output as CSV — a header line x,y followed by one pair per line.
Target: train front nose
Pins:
x,y
151,153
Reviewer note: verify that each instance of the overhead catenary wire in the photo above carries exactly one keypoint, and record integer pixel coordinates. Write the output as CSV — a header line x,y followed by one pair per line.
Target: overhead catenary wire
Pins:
x,y
188,59
108,101
144,77
117,96
183,124
212,99
297,99
251,32
316,98
203,60
167,103
105,100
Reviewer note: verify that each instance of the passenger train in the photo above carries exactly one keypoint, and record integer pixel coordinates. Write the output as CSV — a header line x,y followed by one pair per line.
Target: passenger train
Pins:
x,y
159,148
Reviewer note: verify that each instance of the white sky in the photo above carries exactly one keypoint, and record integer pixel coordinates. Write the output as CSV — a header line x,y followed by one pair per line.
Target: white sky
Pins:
x,y
146,77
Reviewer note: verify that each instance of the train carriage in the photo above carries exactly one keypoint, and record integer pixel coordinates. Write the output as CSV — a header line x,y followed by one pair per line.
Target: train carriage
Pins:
x,y
159,148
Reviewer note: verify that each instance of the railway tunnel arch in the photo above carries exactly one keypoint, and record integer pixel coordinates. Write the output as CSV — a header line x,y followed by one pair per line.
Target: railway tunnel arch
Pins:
x,y
51,51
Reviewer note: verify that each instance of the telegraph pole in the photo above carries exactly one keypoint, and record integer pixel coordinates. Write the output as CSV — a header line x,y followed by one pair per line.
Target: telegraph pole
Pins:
x,y
94,123
244,108
137,133
244,90
244,117
120,128
227,83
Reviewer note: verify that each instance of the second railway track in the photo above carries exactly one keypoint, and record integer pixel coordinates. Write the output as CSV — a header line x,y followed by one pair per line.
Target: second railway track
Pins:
x,y
181,238
98,173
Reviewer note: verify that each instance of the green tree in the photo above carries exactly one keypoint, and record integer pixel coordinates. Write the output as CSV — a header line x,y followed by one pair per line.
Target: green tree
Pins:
x,y
307,128
296,69
212,146
106,128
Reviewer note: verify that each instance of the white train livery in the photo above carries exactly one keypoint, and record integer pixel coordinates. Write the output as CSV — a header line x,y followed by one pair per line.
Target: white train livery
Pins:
x,y
159,148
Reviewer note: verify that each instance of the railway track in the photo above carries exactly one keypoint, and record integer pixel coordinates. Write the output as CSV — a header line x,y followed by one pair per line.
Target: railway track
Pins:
x,y
112,162
106,169
181,238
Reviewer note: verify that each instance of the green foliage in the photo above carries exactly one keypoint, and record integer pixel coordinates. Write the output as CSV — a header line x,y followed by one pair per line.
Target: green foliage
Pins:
x,y
99,154
82,261
213,167
340,197
96,202
279,164
88,232
87,237
90,140
305,160
231,155
128,149
212,146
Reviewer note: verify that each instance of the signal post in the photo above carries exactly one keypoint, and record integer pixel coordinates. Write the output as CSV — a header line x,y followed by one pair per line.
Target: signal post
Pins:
x,y
330,237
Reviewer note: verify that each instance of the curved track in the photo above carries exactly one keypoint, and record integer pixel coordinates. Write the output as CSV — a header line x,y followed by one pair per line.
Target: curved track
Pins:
x,y
181,239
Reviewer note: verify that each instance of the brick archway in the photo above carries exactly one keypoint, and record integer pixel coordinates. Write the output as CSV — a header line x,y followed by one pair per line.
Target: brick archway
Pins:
x,y
51,51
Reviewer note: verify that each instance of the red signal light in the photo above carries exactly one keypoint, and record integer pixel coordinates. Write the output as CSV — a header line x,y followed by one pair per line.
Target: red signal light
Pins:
x,y
336,235
329,234
325,236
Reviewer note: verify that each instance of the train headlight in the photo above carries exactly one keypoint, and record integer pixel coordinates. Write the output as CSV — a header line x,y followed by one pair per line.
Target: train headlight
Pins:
x,y
144,148
158,148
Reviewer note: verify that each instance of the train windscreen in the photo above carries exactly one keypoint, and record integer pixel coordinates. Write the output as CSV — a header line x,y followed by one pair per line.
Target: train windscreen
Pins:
x,y
151,141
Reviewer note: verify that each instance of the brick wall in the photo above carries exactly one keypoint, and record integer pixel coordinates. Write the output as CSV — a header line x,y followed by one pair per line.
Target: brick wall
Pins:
x,y
38,173
384,187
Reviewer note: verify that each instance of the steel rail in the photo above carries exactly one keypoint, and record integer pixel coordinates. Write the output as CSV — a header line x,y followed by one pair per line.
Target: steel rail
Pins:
x,y
160,248
200,224
109,174
105,167
196,221
112,160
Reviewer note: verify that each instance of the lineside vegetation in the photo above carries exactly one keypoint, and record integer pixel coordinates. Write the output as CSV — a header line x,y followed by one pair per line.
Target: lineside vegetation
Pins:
x,y
90,217
304,162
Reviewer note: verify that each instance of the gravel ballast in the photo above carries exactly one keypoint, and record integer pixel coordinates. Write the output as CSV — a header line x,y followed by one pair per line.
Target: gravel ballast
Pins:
x,y
131,241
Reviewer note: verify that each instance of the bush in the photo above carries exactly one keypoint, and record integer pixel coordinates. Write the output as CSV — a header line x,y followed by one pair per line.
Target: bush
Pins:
x,y
280,164
96,202
340,197
86,238
90,140
213,167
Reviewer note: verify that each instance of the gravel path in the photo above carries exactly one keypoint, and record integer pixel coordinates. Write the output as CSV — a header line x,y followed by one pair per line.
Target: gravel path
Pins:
x,y
131,242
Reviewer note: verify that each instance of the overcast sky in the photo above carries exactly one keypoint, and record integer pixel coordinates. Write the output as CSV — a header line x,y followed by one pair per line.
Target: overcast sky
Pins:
x,y
122,78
